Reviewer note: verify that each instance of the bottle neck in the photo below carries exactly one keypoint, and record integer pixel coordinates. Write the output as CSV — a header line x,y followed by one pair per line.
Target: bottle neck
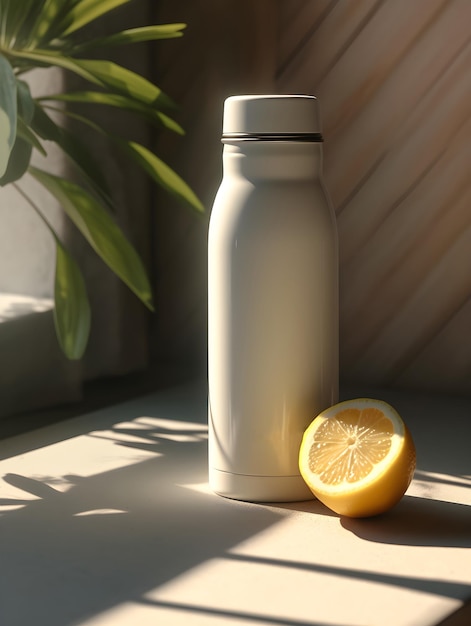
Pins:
x,y
273,160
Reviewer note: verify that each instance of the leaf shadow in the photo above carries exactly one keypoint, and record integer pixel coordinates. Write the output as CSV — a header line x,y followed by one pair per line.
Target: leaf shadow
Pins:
x,y
110,537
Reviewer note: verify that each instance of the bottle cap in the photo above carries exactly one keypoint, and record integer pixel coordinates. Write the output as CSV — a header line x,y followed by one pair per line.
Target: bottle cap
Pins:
x,y
272,117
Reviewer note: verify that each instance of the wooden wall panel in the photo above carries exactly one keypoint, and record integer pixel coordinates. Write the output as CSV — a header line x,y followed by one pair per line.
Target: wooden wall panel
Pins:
x,y
394,83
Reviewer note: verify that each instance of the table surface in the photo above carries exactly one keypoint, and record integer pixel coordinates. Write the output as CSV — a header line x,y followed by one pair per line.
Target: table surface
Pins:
x,y
106,520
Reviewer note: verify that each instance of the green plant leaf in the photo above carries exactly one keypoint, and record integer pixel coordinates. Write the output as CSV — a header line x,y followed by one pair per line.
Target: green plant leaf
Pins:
x,y
44,126
25,101
135,35
77,150
8,113
101,232
53,58
87,163
27,134
46,20
72,315
161,173
19,161
124,81
86,11
15,18
104,73
155,117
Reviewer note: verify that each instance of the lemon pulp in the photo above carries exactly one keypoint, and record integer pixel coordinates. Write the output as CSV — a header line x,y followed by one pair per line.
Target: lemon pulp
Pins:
x,y
358,457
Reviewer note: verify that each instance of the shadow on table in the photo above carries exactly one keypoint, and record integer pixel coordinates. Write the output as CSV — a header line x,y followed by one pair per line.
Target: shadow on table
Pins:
x,y
414,521
417,522
68,555
111,537
439,587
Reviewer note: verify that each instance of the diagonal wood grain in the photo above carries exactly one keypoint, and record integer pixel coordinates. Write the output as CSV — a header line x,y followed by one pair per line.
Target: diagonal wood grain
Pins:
x,y
394,82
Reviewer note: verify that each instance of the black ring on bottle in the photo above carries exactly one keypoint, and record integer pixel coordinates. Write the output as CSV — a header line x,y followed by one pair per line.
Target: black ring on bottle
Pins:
x,y
309,137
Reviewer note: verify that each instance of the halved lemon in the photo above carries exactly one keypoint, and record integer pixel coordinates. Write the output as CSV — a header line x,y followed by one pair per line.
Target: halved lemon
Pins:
x,y
358,457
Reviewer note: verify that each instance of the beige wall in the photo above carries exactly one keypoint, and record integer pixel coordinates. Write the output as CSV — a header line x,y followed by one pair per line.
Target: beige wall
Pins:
x,y
394,84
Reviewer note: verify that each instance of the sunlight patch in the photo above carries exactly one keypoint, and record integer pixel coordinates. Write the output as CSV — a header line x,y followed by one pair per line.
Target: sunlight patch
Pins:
x,y
100,512
199,487
8,508
157,422
453,488
181,438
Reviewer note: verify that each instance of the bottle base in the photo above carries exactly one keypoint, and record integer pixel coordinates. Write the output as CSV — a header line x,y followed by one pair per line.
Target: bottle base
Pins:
x,y
259,488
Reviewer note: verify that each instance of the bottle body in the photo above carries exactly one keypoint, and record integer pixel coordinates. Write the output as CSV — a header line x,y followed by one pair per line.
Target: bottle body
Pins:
x,y
272,317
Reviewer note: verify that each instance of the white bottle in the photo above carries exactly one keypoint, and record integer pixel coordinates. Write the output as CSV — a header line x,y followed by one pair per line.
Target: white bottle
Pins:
x,y
273,298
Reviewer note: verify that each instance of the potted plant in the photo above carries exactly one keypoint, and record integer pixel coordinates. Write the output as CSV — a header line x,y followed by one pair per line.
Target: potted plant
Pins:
x,y
47,33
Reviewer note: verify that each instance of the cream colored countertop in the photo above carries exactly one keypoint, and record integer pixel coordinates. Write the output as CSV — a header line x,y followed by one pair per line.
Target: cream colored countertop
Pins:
x,y
106,520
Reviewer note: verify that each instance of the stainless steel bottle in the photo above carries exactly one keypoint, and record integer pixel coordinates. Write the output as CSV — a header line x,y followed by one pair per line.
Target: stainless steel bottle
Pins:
x,y
273,298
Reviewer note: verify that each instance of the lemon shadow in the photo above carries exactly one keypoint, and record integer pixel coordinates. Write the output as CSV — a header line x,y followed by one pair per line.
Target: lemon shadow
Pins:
x,y
417,521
